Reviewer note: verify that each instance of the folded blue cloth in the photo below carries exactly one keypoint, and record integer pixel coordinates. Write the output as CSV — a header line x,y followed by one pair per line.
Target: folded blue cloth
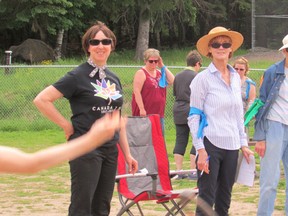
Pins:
x,y
163,82
203,121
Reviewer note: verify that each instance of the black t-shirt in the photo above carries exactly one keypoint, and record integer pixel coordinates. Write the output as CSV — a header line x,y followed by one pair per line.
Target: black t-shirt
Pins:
x,y
90,98
181,91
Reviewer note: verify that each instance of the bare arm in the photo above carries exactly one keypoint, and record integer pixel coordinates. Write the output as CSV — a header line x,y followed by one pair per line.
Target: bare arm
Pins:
x,y
123,142
138,83
44,102
252,94
13,160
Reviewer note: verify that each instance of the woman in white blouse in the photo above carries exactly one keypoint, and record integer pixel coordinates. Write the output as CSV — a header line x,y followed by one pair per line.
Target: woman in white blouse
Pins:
x,y
216,119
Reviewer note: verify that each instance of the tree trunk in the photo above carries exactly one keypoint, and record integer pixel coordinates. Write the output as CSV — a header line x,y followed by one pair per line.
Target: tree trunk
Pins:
x,y
172,35
182,33
64,44
158,40
143,32
36,27
59,44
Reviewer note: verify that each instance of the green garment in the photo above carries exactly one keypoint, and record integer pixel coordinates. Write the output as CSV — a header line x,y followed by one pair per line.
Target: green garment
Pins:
x,y
252,111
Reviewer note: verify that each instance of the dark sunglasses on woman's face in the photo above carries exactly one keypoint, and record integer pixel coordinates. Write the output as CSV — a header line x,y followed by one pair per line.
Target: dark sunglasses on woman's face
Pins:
x,y
151,61
96,42
216,45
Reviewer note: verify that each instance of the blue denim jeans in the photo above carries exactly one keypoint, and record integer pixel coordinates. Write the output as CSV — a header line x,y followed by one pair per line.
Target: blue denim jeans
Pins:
x,y
276,150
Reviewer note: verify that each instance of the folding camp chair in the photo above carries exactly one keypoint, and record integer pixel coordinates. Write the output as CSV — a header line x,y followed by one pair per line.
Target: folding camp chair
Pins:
x,y
147,146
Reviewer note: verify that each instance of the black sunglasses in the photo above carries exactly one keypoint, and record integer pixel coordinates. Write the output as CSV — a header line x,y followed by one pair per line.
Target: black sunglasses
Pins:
x,y
151,61
224,45
96,42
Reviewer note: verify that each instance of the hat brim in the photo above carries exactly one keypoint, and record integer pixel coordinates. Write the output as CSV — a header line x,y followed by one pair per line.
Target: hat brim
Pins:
x,y
283,47
202,43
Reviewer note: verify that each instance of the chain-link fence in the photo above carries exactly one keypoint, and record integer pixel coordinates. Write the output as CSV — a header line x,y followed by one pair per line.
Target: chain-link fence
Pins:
x,y
269,23
20,85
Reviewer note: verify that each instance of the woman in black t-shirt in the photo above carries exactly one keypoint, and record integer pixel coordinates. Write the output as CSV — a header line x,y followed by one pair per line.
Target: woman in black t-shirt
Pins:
x,y
92,90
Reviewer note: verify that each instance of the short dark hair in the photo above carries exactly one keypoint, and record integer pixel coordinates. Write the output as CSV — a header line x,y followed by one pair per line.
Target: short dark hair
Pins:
x,y
192,58
92,31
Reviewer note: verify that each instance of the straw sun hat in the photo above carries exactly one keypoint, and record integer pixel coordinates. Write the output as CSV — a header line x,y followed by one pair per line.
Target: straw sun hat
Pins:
x,y
202,43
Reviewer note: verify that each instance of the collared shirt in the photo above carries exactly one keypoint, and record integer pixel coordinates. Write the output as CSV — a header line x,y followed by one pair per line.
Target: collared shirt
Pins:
x,y
222,105
279,109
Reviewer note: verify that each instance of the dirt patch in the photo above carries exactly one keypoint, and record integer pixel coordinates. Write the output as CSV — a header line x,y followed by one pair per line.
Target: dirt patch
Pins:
x,y
260,54
20,197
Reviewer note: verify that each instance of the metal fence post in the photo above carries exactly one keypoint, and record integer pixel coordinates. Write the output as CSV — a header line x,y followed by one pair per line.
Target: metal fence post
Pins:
x,y
8,60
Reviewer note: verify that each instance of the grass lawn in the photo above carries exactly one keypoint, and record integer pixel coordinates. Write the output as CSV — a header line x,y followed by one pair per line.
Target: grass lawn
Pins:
x,y
47,193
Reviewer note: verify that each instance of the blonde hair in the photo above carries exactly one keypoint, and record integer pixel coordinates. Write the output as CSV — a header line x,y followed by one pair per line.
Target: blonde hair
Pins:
x,y
151,52
242,61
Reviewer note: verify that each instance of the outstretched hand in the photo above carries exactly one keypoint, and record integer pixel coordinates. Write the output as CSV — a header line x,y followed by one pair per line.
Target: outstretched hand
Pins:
x,y
106,126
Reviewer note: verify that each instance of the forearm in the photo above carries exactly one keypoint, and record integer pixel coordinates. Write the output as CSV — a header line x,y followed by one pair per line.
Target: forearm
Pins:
x,y
15,161
240,125
49,110
139,100
66,151
169,76
252,96
193,123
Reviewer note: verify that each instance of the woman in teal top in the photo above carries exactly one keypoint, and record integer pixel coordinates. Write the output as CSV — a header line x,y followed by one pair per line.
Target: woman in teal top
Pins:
x,y
248,87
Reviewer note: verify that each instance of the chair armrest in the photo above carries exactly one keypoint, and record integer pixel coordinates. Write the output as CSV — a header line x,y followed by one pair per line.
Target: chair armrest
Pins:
x,y
176,172
130,175
154,177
